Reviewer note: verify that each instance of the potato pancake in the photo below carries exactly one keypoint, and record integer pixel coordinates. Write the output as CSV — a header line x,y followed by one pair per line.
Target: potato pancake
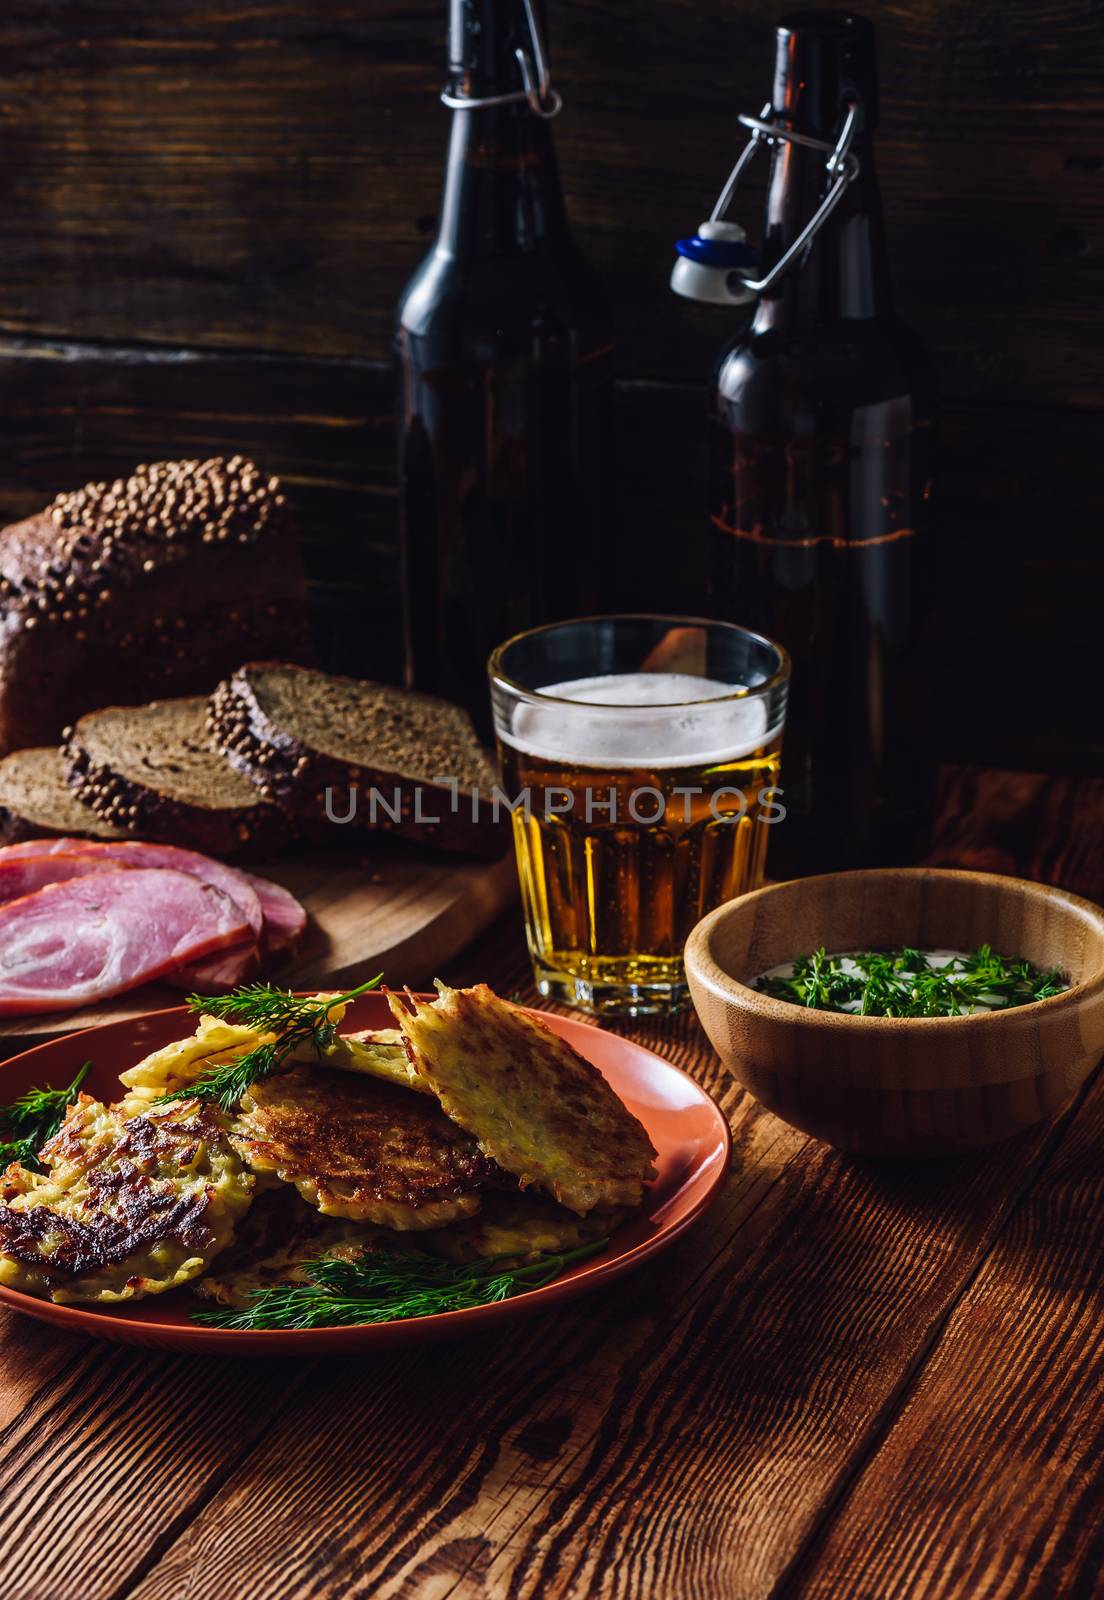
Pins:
x,y
280,1233
381,1054
534,1104
378,1053
363,1149
518,1228
178,1065
128,1206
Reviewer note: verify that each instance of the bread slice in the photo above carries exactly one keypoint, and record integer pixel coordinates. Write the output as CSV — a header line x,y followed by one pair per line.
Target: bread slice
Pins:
x,y
153,770
37,803
383,753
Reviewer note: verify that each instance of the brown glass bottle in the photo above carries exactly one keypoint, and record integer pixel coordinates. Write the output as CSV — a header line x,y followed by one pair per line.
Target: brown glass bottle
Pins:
x,y
820,435
504,352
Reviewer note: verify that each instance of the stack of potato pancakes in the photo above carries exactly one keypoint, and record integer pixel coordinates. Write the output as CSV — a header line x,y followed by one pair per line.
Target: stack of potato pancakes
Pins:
x,y
470,1130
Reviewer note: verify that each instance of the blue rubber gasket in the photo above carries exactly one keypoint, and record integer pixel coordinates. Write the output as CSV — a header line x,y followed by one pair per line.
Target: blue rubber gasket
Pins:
x,y
717,252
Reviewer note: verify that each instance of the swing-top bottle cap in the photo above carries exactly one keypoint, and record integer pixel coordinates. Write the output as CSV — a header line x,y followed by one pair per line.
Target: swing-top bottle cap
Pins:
x,y
706,262
498,57
825,95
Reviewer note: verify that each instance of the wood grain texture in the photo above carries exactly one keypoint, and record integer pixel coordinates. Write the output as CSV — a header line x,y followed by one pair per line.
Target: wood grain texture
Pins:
x,y
263,179
114,1453
1028,824
267,178
988,1483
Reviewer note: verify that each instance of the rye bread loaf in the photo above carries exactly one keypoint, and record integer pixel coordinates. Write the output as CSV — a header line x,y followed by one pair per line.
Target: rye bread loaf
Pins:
x,y
36,802
383,753
153,770
149,586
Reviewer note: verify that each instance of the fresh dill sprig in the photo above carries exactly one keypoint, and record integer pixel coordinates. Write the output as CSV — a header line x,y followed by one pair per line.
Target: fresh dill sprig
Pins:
x,y
36,1116
390,1287
907,983
295,1020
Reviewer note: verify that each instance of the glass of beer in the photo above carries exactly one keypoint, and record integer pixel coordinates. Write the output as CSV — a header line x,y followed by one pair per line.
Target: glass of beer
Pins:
x,y
640,761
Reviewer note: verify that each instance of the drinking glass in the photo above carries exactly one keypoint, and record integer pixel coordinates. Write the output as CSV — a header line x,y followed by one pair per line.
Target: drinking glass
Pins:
x,y
640,759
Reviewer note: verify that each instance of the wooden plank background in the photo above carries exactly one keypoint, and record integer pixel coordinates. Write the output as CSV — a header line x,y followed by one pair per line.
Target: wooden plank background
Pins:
x,y
208,213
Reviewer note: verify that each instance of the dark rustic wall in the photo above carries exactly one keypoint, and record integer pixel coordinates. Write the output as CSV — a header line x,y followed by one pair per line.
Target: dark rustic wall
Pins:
x,y
207,213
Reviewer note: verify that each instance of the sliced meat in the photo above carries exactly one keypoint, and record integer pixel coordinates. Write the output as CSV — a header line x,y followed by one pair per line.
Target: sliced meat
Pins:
x,y
276,919
136,853
220,973
92,937
25,848
284,917
284,921
21,877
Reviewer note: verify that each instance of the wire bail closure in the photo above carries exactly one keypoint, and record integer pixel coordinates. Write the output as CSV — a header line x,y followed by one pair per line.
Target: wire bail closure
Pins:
x,y
536,79
709,266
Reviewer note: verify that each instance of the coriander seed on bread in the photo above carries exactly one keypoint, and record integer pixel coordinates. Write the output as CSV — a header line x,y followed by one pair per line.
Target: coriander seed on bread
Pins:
x,y
36,801
143,587
296,733
153,770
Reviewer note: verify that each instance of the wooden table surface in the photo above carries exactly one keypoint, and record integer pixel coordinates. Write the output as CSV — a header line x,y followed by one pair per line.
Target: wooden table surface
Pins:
x,y
851,1379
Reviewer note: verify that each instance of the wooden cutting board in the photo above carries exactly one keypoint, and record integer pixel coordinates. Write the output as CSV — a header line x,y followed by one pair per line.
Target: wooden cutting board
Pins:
x,y
398,910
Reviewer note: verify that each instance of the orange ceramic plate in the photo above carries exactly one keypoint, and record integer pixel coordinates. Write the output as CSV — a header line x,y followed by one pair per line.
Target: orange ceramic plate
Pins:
x,y
686,1127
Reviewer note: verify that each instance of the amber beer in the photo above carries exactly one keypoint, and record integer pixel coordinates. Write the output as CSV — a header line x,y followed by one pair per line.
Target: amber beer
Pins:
x,y
641,799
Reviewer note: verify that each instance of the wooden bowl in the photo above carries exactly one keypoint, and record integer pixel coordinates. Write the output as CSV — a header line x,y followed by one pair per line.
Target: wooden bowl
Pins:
x,y
903,1086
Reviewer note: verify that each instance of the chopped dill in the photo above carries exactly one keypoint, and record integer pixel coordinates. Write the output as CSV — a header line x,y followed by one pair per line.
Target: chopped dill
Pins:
x,y
390,1287
36,1116
909,983
296,1020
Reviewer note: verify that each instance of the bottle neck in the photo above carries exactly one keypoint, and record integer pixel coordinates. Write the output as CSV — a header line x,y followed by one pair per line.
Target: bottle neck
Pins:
x,y
844,274
825,62
502,193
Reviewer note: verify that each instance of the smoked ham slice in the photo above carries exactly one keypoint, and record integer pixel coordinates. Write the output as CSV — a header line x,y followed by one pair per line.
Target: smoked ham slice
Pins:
x,y
275,919
135,853
284,921
284,917
221,972
218,974
18,878
91,937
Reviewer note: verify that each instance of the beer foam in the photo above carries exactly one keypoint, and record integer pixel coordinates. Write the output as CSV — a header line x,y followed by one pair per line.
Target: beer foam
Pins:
x,y
678,734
